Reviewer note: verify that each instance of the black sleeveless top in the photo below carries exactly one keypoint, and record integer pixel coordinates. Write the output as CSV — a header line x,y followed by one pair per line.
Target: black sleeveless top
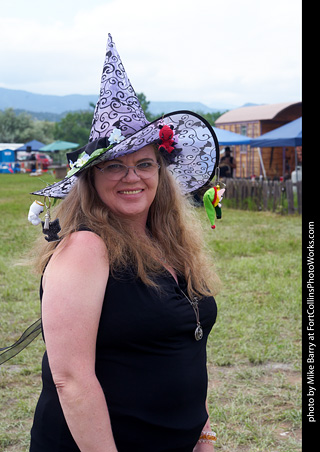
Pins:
x,y
151,369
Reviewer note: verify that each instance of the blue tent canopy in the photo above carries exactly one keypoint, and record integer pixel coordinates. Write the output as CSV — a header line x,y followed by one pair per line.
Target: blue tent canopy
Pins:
x,y
32,145
225,137
288,135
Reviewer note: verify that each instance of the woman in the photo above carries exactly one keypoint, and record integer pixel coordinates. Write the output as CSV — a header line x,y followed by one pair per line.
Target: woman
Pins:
x,y
126,372
126,289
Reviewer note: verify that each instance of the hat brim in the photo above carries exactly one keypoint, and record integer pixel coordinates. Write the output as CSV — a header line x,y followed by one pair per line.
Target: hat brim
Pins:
x,y
192,163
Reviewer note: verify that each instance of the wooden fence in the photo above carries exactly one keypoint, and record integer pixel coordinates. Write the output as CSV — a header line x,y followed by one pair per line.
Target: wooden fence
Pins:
x,y
276,196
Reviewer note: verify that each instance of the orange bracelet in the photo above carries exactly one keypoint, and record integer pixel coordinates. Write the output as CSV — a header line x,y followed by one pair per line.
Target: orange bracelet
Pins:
x,y
207,437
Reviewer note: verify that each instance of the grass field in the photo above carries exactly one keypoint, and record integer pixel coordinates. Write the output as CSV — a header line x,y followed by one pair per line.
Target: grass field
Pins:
x,y
254,351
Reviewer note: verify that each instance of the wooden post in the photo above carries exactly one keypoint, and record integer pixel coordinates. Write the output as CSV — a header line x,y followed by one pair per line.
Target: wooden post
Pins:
x,y
265,190
289,191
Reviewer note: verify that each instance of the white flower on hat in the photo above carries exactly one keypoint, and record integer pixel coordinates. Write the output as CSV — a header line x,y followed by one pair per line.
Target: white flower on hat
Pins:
x,y
82,160
115,136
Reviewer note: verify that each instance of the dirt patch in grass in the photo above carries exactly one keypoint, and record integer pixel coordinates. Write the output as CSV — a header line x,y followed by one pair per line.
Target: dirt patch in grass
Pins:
x,y
256,405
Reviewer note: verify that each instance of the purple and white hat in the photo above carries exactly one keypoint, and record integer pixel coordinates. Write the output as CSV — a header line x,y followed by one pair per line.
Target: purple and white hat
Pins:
x,y
119,127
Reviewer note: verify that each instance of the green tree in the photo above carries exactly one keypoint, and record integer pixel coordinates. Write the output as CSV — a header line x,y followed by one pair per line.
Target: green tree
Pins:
x,y
210,117
145,107
74,127
14,128
43,131
21,128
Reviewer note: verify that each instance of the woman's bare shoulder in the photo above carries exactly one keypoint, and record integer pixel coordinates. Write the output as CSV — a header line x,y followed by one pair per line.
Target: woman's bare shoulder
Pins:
x,y
81,251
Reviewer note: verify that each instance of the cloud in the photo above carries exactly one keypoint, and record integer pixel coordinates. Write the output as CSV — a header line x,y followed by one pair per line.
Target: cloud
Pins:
x,y
248,51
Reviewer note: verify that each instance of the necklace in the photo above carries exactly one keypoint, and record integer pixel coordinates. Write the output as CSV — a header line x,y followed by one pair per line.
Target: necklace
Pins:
x,y
198,333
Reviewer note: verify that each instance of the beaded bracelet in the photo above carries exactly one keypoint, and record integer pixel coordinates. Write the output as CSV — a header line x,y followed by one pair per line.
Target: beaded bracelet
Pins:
x,y
207,437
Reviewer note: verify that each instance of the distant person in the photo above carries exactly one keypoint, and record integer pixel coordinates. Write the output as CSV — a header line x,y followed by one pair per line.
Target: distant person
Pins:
x,y
33,161
227,164
299,155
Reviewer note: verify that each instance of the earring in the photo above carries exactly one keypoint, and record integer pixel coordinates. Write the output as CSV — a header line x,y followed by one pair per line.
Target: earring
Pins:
x,y
50,228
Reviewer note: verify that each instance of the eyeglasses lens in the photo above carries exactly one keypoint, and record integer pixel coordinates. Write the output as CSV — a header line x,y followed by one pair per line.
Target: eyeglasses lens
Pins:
x,y
143,170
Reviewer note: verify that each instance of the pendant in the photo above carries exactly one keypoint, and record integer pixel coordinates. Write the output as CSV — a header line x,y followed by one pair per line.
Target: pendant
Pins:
x,y
198,334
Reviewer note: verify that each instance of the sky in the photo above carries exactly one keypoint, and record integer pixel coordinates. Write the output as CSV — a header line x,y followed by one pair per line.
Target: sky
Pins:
x,y
223,53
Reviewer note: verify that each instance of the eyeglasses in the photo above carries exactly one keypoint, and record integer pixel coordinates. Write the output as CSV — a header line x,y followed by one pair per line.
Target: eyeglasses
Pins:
x,y
117,171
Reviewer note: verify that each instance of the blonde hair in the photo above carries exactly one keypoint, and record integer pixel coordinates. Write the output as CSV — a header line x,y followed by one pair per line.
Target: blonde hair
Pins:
x,y
175,234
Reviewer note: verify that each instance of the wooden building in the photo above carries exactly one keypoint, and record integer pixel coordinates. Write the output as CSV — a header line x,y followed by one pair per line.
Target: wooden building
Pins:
x,y
254,121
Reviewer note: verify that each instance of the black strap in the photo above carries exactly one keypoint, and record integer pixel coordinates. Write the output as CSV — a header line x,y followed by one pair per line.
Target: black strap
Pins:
x,y
28,336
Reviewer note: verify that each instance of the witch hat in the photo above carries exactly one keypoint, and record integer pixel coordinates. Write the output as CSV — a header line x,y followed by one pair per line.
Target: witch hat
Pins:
x,y
119,127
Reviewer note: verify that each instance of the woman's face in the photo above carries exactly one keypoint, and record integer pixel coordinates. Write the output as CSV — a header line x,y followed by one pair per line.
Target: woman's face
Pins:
x,y
131,196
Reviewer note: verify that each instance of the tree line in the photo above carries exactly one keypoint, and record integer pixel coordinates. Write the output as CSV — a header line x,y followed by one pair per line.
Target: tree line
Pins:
x,y
74,126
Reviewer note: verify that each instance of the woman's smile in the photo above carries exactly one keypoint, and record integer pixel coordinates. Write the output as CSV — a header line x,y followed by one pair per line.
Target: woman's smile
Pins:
x,y
132,195
130,192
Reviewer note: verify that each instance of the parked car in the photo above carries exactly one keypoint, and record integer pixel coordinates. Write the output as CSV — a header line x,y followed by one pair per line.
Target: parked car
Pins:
x,y
43,159
34,160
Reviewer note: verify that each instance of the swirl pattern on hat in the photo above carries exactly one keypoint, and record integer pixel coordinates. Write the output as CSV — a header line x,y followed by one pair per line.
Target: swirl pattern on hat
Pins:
x,y
118,106
119,127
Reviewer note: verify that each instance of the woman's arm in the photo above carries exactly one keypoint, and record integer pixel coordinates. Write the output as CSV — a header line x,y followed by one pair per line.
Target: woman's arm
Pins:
x,y
74,287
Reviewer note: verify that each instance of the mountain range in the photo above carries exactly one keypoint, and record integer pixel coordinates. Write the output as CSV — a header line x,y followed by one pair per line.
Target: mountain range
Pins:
x,y
52,107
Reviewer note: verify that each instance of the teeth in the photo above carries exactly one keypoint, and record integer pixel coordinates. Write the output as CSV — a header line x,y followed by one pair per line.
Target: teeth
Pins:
x,y
130,192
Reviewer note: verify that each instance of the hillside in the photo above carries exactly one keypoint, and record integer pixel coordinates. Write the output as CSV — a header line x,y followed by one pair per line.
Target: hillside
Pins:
x,y
24,100
51,107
